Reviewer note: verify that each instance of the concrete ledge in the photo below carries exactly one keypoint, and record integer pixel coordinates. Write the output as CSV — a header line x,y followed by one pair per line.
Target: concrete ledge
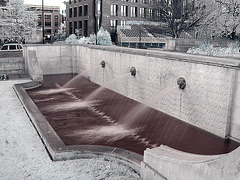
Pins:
x,y
175,56
169,153
57,149
173,164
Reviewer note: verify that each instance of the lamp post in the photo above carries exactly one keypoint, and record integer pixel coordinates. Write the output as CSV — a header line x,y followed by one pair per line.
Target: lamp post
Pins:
x,y
42,21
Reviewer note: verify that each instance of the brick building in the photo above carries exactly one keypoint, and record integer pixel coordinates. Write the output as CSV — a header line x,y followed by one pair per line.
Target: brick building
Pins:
x,y
86,16
52,18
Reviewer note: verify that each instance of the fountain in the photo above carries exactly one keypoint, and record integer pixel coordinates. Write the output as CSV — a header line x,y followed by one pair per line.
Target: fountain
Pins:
x,y
114,120
106,84
133,71
93,119
181,82
103,63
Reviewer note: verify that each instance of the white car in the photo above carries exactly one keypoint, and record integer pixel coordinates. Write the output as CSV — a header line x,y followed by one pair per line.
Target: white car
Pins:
x,y
11,47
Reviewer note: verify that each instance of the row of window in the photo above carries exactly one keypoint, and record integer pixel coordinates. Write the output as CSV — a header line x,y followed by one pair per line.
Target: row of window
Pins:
x,y
134,11
134,1
74,1
48,20
78,11
79,27
114,23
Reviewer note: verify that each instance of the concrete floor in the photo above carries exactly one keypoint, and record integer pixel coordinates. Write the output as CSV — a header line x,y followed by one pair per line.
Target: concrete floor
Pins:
x,y
23,155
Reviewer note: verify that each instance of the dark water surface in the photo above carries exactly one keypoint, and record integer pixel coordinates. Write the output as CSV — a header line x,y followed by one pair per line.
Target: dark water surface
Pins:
x,y
99,122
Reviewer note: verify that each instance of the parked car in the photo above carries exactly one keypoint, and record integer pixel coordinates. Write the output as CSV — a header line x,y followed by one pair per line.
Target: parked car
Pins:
x,y
11,47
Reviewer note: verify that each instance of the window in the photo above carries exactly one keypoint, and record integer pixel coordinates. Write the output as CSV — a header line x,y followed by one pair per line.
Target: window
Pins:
x,y
80,11
48,24
142,12
150,13
123,23
85,10
48,17
48,31
150,2
134,1
158,13
113,23
56,20
70,2
70,12
133,11
75,12
39,23
85,28
79,24
114,9
19,46
70,27
98,10
143,1
75,26
4,48
12,47
124,10
48,20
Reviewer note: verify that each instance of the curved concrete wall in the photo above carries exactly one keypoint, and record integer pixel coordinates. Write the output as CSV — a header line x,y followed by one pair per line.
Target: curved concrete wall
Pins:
x,y
210,100
174,165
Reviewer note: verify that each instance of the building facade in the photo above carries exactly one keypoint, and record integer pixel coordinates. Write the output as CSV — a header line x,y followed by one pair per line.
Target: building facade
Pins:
x,y
52,19
87,16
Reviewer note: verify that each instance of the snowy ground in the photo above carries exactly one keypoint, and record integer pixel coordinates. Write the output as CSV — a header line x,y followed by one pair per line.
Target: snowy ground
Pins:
x,y
23,156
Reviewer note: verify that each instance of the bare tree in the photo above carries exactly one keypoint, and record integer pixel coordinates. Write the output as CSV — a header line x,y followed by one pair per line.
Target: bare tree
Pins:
x,y
181,15
16,21
227,18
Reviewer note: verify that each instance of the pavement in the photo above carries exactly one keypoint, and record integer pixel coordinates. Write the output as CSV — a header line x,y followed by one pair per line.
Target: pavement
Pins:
x,y
23,155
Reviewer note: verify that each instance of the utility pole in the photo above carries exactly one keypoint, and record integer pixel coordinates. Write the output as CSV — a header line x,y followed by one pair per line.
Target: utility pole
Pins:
x,y
43,22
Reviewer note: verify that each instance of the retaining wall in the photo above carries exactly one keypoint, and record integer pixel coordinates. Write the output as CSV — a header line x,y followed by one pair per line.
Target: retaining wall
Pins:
x,y
206,102
12,65
53,59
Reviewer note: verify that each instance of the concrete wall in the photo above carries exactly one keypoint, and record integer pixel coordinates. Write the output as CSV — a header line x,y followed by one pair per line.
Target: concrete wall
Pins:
x,y
34,69
174,165
12,65
235,115
206,102
209,101
53,59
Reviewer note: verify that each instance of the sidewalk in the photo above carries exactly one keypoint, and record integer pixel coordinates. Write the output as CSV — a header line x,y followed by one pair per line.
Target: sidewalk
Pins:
x,y
23,155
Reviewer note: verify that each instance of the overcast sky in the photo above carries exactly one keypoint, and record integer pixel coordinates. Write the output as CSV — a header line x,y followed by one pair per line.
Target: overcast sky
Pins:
x,y
46,2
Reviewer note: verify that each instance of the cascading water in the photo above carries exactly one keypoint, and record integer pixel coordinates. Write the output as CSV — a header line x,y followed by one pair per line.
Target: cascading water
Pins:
x,y
74,82
95,93
117,121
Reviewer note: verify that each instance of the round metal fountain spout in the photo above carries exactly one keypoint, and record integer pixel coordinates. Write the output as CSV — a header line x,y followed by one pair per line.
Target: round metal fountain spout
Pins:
x,y
133,71
181,82
103,63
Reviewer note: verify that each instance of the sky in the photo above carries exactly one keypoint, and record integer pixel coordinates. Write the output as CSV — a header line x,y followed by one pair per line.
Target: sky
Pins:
x,y
46,2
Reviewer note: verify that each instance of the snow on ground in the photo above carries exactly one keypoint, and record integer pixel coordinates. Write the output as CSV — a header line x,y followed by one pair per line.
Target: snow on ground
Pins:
x,y
23,156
